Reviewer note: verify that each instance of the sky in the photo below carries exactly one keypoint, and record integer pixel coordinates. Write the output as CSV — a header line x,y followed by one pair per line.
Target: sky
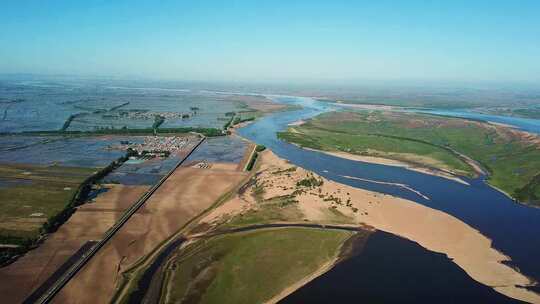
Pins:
x,y
274,40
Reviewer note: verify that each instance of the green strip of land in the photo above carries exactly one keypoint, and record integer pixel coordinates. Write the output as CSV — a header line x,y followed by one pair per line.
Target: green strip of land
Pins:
x,y
513,162
249,267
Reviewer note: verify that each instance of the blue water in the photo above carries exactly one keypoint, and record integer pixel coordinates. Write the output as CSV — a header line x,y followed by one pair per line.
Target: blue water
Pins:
x,y
512,227
525,124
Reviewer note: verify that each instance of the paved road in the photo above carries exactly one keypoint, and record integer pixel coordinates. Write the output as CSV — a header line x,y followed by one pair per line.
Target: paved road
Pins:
x,y
78,265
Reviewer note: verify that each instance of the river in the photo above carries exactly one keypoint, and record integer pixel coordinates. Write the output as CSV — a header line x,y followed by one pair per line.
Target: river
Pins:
x,y
525,124
512,227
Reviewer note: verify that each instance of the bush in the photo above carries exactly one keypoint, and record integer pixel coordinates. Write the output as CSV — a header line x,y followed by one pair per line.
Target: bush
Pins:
x,y
309,182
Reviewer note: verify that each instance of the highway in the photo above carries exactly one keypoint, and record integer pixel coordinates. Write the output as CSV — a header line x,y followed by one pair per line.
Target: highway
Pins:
x,y
78,265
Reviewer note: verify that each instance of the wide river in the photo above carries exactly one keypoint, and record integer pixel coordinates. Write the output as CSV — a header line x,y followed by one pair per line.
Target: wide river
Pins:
x,y
512,227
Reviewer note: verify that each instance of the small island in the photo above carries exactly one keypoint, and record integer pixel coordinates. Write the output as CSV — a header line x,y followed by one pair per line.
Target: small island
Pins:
x,y
510,158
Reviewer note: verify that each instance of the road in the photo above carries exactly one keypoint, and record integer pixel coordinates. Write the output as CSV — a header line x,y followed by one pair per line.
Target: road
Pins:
x,y
78,265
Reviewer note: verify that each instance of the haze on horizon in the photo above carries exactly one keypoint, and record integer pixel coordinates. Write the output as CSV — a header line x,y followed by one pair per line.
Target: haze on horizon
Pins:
x,y
275,40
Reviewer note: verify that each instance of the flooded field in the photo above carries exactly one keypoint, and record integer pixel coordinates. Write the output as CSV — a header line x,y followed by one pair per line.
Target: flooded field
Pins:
x,y
220,149
66,151
72,106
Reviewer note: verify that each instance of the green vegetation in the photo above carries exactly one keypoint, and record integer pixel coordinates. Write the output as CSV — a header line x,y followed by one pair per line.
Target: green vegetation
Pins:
x,y
278,209
260,148
372,135
69,120
119,106
248,267
228,123
432,141
239,119
32,202
309,182
158,121
208,132
252,161
41,200
533,113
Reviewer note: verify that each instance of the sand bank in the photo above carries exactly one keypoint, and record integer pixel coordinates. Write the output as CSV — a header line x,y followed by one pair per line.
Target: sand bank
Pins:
x,y
432,229
395,163
297,123
359,106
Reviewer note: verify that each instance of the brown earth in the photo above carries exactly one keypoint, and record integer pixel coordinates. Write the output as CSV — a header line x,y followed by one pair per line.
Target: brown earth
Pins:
x,y
18,280
187,193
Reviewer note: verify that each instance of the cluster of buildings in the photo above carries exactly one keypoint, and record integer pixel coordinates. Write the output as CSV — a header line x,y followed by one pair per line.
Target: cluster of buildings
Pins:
x,y
152,115
154,146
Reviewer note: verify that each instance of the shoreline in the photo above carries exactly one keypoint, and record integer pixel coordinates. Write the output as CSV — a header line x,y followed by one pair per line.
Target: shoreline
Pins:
x,y
304,281
429,171
392,162
432,229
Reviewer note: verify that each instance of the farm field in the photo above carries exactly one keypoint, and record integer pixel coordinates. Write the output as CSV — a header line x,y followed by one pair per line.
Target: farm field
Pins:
x,y
511,157
187,193
88,223
30,194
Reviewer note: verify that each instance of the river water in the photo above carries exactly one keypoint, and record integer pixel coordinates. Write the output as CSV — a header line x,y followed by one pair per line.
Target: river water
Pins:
x,y
390,269
512,227
525,124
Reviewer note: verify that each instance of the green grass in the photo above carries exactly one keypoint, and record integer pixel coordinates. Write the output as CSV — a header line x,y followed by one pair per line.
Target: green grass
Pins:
x,y
208,132
249,267
34,190
511,162
364,138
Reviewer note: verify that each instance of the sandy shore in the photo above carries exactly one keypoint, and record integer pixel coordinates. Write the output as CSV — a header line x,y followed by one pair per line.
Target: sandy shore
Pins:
x,y
391,162
364,106
432,229
502,125
297,123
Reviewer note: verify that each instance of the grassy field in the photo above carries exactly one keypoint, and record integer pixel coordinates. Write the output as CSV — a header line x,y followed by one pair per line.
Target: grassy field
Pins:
x,y
29,195
248,267
512,160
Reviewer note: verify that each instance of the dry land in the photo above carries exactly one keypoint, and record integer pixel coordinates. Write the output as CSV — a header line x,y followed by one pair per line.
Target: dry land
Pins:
x,y
282,193
186,193
90,221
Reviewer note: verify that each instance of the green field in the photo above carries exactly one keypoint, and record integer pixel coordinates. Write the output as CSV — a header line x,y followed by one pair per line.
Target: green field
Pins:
x,y
248,267
512,162
29,195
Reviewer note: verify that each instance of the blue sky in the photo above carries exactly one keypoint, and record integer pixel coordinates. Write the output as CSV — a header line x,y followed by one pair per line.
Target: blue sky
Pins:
x,y
274,40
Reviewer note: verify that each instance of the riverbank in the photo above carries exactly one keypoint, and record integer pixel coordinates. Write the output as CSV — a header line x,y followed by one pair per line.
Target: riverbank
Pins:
x,y
432,229
304,281
455,146
393,162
